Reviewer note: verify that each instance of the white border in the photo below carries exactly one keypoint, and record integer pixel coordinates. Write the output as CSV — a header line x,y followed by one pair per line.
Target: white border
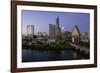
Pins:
x,y
53,63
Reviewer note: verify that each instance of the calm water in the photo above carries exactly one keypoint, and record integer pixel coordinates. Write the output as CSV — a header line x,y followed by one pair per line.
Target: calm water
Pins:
x,y
29,55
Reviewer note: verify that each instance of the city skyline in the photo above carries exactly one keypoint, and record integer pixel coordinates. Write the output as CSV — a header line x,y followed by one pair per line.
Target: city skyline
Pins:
x,y
42,19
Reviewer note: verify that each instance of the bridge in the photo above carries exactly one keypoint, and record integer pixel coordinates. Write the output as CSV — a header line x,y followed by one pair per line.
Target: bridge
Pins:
x,y
81,48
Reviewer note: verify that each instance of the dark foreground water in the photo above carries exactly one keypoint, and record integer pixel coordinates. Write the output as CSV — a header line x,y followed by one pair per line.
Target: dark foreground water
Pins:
x,y
29,55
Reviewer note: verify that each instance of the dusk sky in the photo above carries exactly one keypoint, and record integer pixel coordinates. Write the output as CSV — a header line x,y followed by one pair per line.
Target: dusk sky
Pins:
x,y
42,19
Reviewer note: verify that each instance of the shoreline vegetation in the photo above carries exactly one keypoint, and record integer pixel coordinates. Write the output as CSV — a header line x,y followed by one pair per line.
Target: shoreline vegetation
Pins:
x,y
42,45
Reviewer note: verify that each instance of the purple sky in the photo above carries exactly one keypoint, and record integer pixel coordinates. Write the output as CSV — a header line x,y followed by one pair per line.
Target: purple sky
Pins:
x,y
42,19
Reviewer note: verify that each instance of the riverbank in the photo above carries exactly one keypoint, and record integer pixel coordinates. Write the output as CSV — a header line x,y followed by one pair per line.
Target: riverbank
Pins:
x,y
49,46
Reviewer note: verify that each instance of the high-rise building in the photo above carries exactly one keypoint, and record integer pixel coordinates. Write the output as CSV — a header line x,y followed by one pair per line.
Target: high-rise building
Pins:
x,y
57,22
52,31
76,34
30,30
58,30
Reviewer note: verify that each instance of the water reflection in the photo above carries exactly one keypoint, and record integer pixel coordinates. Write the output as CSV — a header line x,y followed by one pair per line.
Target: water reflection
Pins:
x,y
29,55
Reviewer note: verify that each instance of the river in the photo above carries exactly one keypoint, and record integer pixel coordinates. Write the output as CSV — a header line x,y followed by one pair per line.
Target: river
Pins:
x,y
29,55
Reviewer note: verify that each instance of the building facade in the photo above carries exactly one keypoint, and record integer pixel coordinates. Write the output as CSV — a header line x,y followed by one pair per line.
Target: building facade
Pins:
x,y
66,35
76,34
85,37
30,31
58,29
55,30
52,31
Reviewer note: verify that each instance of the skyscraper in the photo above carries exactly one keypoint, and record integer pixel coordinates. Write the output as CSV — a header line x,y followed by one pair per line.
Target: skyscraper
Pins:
x,y
76,34
55,30
52,31
57,22
58,30
30,30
